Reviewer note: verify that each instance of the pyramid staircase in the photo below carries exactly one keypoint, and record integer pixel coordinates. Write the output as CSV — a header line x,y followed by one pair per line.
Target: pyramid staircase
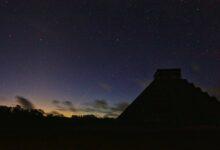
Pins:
x,y
169,99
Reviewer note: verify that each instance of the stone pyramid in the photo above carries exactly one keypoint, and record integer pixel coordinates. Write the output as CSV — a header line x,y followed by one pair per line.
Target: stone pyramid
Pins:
x,y
169,99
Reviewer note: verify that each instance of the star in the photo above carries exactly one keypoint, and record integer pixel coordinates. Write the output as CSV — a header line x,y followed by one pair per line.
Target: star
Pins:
x,y
10,36
198,9
117,39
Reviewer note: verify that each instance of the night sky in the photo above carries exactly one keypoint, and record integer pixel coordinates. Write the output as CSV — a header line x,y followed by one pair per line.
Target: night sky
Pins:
x,y
83,56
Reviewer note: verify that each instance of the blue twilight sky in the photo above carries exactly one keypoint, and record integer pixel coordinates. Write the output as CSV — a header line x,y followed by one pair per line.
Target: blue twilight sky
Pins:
x,y
82,51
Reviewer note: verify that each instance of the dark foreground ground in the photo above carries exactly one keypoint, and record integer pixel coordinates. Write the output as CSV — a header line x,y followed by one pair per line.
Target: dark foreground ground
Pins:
x,y
22,129
187,139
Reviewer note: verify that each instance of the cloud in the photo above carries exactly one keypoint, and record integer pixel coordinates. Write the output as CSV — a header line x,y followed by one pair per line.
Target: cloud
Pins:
x,y
67,103
55,102
111,115
100,104
73,109
70,106
61,108
103,107
120,106
106,87
55,113
64,106
116,110
25,103
142,83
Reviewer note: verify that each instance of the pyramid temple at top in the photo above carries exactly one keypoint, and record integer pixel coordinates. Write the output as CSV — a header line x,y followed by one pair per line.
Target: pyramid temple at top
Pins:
x,y
173,100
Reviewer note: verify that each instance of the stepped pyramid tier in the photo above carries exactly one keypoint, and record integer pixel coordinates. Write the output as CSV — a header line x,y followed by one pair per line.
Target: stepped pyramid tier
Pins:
x,y
168,74
169,99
